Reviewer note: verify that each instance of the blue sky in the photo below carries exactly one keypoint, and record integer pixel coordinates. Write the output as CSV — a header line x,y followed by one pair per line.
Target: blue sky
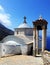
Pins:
x,y
13,11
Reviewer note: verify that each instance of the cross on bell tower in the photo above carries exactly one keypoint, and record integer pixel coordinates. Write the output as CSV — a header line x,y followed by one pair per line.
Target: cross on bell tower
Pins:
x,y
40,17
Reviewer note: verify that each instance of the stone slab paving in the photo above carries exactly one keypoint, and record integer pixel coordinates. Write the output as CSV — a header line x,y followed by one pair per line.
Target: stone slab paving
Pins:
x,y
21,60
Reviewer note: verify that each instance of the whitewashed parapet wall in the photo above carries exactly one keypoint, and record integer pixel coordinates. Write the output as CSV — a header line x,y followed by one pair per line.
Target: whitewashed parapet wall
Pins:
x,y
10,50
6,50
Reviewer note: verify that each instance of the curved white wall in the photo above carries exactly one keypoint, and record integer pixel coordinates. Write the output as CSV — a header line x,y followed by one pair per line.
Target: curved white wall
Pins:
x,y
13,45
13,40
10,50
24,49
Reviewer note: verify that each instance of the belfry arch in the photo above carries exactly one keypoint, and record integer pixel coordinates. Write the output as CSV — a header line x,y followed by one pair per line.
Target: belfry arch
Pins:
x,y
39,24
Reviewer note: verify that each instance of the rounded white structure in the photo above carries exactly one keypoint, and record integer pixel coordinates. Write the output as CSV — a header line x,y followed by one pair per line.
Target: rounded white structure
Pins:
x,y
24,25
10,50
14,45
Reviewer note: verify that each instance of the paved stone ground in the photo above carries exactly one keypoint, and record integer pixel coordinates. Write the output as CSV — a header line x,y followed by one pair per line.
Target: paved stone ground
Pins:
x,y
21,60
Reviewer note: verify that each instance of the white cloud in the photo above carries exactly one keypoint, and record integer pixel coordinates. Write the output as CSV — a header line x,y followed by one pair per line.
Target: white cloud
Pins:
x,y
1,8
4,17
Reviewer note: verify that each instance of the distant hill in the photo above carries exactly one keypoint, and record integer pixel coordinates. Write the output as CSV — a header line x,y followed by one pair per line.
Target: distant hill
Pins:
x,y
5,31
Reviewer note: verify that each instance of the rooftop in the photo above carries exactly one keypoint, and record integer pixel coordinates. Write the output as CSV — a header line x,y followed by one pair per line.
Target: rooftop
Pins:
x,y
24,24
16,40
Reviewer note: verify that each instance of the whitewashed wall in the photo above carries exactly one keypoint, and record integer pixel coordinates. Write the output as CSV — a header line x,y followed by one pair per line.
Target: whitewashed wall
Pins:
x,y
24,49
27,49
10,50
6,50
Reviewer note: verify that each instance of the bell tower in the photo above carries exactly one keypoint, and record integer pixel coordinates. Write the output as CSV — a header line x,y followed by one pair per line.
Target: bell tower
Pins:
x,y
39,24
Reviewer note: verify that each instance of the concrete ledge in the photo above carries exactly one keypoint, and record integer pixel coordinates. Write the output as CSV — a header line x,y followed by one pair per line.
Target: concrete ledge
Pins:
x,y
46,57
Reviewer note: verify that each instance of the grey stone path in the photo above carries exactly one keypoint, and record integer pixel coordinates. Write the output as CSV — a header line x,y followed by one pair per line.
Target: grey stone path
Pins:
x,y
21,60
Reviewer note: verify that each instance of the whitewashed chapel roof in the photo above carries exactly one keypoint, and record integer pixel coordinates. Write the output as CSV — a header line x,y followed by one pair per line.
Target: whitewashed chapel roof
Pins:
x,y
24,24
16,40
